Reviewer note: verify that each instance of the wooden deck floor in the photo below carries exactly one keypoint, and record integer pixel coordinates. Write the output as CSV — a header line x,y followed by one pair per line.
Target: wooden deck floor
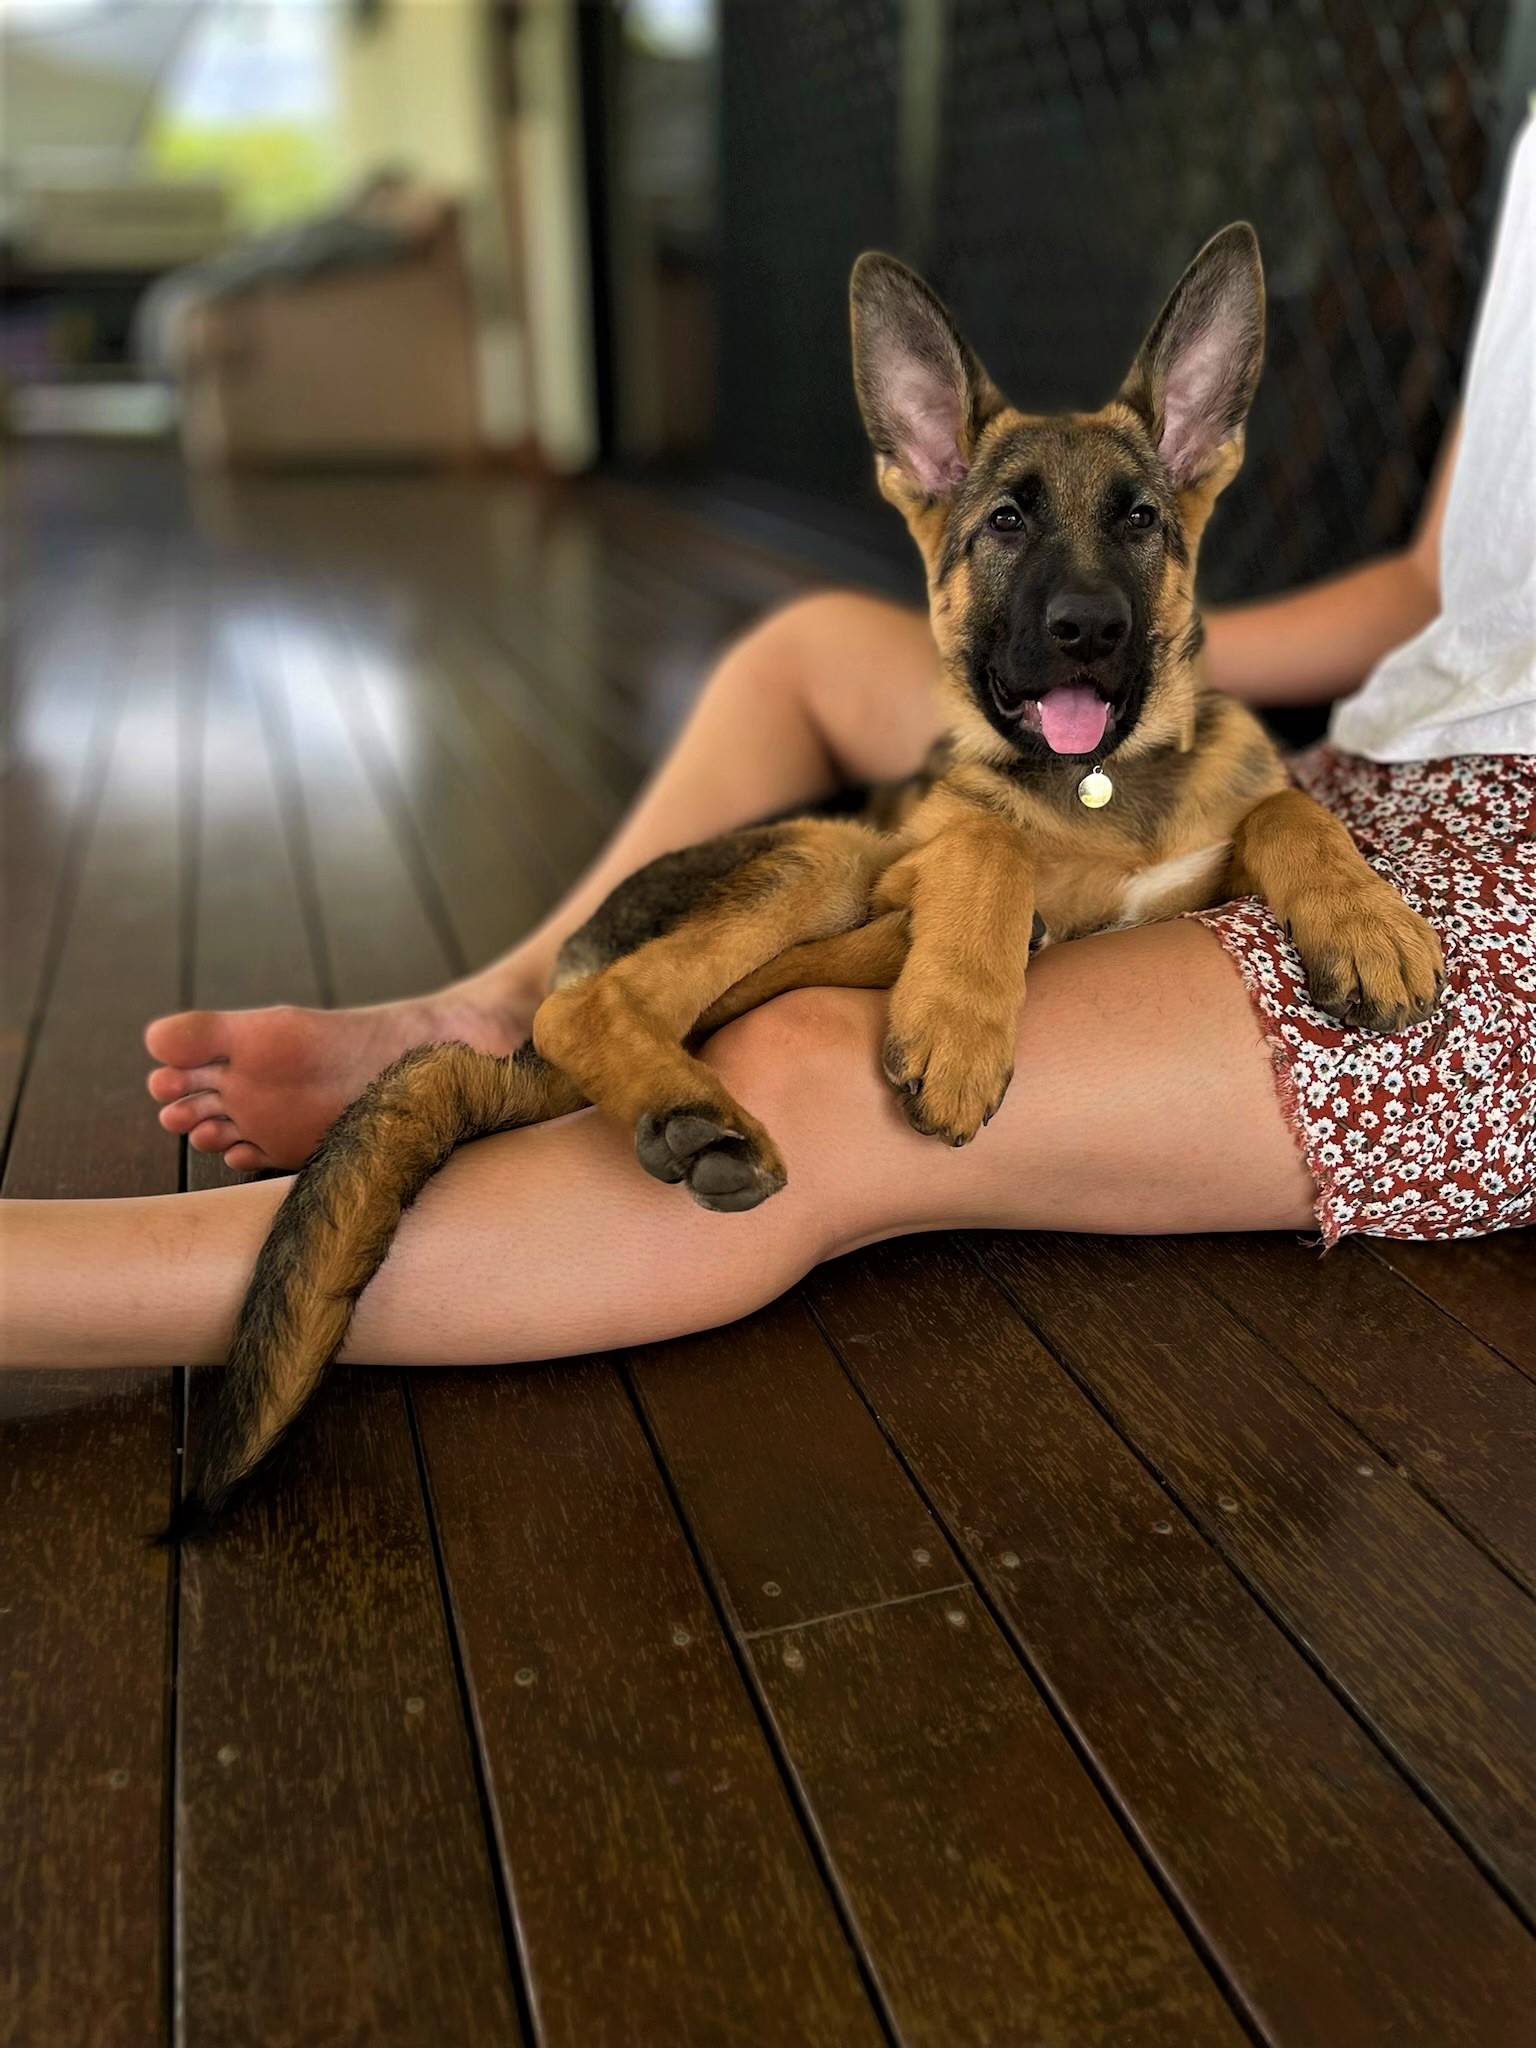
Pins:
x,y
997,1641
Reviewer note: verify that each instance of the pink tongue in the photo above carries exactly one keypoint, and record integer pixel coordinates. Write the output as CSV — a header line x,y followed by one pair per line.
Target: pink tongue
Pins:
x,y
1073,719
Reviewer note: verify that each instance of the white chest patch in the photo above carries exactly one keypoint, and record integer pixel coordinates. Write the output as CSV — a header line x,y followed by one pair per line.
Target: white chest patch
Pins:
x,y
1179,884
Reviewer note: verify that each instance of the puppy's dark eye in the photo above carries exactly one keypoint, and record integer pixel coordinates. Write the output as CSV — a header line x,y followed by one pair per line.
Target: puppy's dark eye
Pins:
x,y
1006,519
1140,517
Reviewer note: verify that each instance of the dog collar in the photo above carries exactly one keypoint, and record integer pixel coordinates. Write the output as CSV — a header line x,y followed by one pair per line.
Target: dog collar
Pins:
x,y
1095,790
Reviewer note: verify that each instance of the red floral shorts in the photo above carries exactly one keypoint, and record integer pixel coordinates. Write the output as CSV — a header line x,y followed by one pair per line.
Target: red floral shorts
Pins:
x,y
1429,1132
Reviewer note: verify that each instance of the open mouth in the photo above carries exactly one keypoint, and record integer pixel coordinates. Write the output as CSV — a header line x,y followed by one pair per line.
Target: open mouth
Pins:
x,y
1072,718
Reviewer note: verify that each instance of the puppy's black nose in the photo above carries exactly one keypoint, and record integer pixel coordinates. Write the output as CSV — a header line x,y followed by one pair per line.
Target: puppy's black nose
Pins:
x,y
1088,624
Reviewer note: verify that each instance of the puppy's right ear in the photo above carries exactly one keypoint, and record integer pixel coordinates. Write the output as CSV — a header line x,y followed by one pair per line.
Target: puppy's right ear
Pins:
x,y
923,394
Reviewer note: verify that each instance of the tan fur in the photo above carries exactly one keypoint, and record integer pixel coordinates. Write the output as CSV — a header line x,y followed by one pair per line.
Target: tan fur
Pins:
x,y
619,1034
968,887
869,956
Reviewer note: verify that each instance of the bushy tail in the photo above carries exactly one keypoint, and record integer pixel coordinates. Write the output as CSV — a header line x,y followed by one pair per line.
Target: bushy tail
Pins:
x,y
330,1237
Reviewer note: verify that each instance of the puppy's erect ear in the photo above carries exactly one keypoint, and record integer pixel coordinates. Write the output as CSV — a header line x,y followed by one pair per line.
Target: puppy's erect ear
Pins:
x,y
922,392
1195,377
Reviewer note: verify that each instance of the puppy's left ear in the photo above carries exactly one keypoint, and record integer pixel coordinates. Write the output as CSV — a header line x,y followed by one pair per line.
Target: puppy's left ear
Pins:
x,y
1195,377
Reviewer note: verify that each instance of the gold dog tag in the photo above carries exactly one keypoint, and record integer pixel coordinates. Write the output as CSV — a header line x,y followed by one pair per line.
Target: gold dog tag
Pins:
x,y
1095,790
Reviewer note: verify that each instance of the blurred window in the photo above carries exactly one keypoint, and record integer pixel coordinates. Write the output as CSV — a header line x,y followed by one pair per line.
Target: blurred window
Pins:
x,y
252,100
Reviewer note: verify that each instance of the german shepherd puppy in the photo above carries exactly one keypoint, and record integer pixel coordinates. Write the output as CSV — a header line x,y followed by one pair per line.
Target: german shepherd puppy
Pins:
x,y
1088,782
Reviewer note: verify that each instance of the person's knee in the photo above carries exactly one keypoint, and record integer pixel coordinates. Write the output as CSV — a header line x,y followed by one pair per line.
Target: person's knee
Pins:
x,y
801,1051
797,635
807,1066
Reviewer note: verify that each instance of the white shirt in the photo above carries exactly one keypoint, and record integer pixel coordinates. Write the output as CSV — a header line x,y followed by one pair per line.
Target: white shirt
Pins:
x,y
1467,683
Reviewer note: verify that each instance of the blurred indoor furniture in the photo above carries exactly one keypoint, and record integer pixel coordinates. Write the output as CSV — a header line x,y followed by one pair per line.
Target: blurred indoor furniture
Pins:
x,y
120,219
83,236
363,364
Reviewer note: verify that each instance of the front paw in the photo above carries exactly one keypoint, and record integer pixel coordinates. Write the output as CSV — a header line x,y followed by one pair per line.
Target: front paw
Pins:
x,y
951,1073
1371,962
728,1160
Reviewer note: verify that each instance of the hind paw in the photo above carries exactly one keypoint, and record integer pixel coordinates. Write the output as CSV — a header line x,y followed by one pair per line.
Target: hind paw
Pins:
x,y
728,1167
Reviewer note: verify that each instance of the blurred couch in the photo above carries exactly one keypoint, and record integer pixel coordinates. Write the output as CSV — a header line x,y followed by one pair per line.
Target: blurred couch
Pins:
x,y
366,361
120,220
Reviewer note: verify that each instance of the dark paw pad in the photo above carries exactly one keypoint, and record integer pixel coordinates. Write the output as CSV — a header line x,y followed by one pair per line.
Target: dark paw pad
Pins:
x,y
654,1152
723,1168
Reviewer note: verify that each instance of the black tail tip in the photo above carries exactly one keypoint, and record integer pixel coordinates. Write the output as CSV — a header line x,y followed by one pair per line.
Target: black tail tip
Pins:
x,y
192,1521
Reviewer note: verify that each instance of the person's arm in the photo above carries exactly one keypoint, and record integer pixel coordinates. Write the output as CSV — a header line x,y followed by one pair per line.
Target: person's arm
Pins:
x,y
1316,644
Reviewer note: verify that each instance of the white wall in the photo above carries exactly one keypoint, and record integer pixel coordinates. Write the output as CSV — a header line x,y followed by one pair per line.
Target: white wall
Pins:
x,y
546,143
418,90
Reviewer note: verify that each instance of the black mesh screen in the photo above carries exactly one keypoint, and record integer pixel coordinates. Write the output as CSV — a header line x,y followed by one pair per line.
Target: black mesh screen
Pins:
x,y
1052,167
808,176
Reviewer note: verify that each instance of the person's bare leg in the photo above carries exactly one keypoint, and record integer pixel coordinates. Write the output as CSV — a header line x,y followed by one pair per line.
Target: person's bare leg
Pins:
x,y
1143,1101
834,689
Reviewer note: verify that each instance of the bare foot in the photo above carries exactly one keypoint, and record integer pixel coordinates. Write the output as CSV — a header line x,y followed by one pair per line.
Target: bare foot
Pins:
x,y
263,1086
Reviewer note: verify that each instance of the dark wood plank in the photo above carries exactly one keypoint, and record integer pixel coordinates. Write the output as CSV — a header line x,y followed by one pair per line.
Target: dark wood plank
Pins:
x,y
1430,1642
83,1678
798,1503
58,730
522,583
492,595
85,1472
949,1805
256,926
121,945
653,628
551,826
569,818
344,1761
381,941
1488,1283
663,1890
475,862
557,681
257,934
542,590
993,1892
1430,1397
666,539
1337,1906
82,1127
334,1878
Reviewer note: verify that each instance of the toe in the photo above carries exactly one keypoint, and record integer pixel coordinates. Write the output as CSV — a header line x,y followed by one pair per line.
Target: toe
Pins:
x,y
169,1084
899,1067
189,1039
738,1200
725,1169
688,1135
213,1134
668,1144
190,1111
653,1151
728,1179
